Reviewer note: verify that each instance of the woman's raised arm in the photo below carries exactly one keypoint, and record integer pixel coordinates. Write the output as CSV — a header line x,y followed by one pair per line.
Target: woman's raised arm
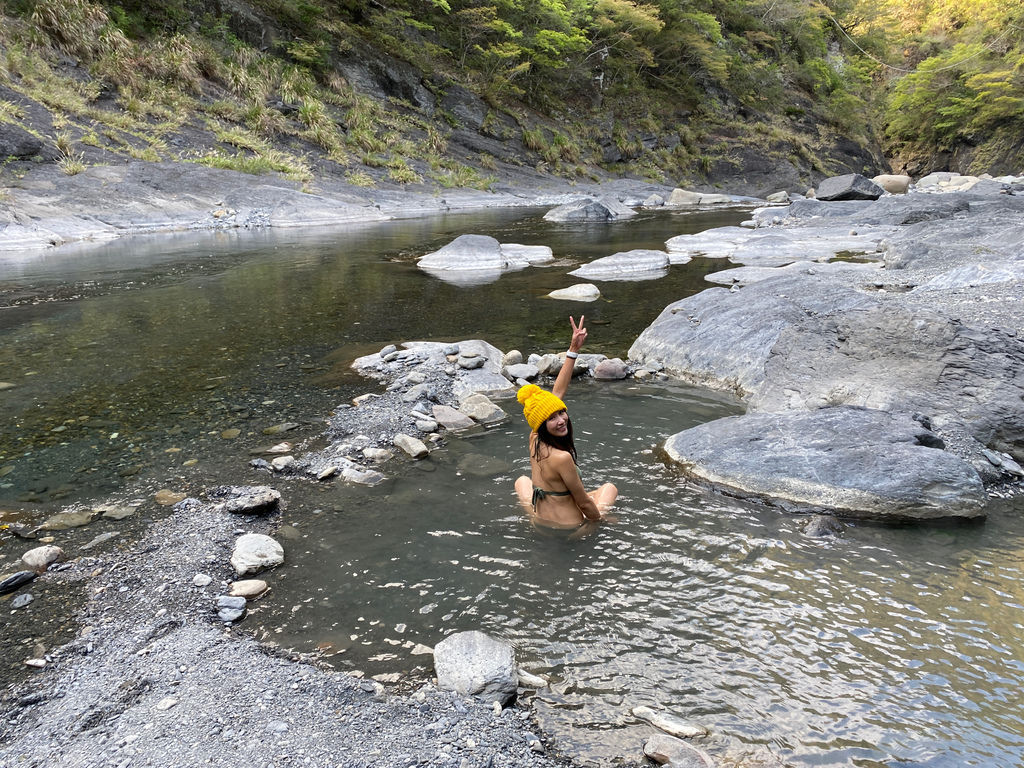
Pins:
x,y
579,335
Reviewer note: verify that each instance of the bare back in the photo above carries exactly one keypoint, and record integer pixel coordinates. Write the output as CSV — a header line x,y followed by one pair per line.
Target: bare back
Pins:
x,y
549,474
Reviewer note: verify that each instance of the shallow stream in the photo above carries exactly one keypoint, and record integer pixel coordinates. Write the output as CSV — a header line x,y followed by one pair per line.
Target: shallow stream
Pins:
x,y
892,646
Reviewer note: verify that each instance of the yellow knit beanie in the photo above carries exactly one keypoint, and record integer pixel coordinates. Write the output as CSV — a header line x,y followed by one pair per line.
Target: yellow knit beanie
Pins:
x,y
539,405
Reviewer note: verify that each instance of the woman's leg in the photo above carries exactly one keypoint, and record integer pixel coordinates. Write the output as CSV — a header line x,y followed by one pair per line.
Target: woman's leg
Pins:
x,y
604,496
524,490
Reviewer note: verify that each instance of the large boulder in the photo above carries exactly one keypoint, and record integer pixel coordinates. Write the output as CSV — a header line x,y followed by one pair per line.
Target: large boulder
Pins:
x,y
851,186
475,664
639,264
855,462
604,209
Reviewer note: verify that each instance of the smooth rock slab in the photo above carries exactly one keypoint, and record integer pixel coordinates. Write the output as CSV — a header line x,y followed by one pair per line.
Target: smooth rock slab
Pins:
x,y
893,358
479,259
724,339
475,664
852,461
255,552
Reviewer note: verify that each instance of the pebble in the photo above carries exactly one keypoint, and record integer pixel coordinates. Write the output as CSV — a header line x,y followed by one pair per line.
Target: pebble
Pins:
x,y
247,588
103,537
201,580
413,447
16,580
378,455
164,704
279,428
282,463
41,558
669,723
230,434
528,680
233,602
165,497
22,600
118,511
37,663
228,615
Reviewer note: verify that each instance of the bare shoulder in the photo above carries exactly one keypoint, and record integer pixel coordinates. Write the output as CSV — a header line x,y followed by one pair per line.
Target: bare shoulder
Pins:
x,y
560,460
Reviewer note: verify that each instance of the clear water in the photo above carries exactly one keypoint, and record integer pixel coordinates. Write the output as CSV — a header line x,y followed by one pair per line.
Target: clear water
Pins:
x,y
891,646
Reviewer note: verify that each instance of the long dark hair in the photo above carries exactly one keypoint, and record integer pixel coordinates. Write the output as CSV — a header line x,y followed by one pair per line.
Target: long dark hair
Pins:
x,y
553,441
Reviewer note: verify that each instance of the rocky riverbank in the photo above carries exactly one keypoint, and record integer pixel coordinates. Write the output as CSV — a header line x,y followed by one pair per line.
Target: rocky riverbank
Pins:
x,y
154,672
45,208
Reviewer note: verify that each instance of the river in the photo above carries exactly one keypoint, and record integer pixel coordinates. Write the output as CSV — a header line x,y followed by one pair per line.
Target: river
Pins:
x,y
132,363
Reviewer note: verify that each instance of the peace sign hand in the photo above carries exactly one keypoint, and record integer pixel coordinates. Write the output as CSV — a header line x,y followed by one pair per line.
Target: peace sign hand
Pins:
x,y
579,335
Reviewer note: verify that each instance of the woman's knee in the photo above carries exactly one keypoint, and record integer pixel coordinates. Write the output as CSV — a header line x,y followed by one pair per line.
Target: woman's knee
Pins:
x,y
606,494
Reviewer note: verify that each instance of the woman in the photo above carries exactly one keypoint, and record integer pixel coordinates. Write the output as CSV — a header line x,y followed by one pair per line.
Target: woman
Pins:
x,y
554,493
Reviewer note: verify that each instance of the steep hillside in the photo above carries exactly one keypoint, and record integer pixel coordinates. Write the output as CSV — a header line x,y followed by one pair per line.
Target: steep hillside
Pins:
x,y
737,95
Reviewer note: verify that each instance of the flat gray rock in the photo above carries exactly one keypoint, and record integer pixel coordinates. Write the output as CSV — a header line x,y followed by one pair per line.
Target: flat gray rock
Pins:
x,y
452,419
639,264
852,461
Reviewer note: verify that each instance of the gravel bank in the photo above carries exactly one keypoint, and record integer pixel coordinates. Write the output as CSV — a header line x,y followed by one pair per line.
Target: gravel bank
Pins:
x,y
153,677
